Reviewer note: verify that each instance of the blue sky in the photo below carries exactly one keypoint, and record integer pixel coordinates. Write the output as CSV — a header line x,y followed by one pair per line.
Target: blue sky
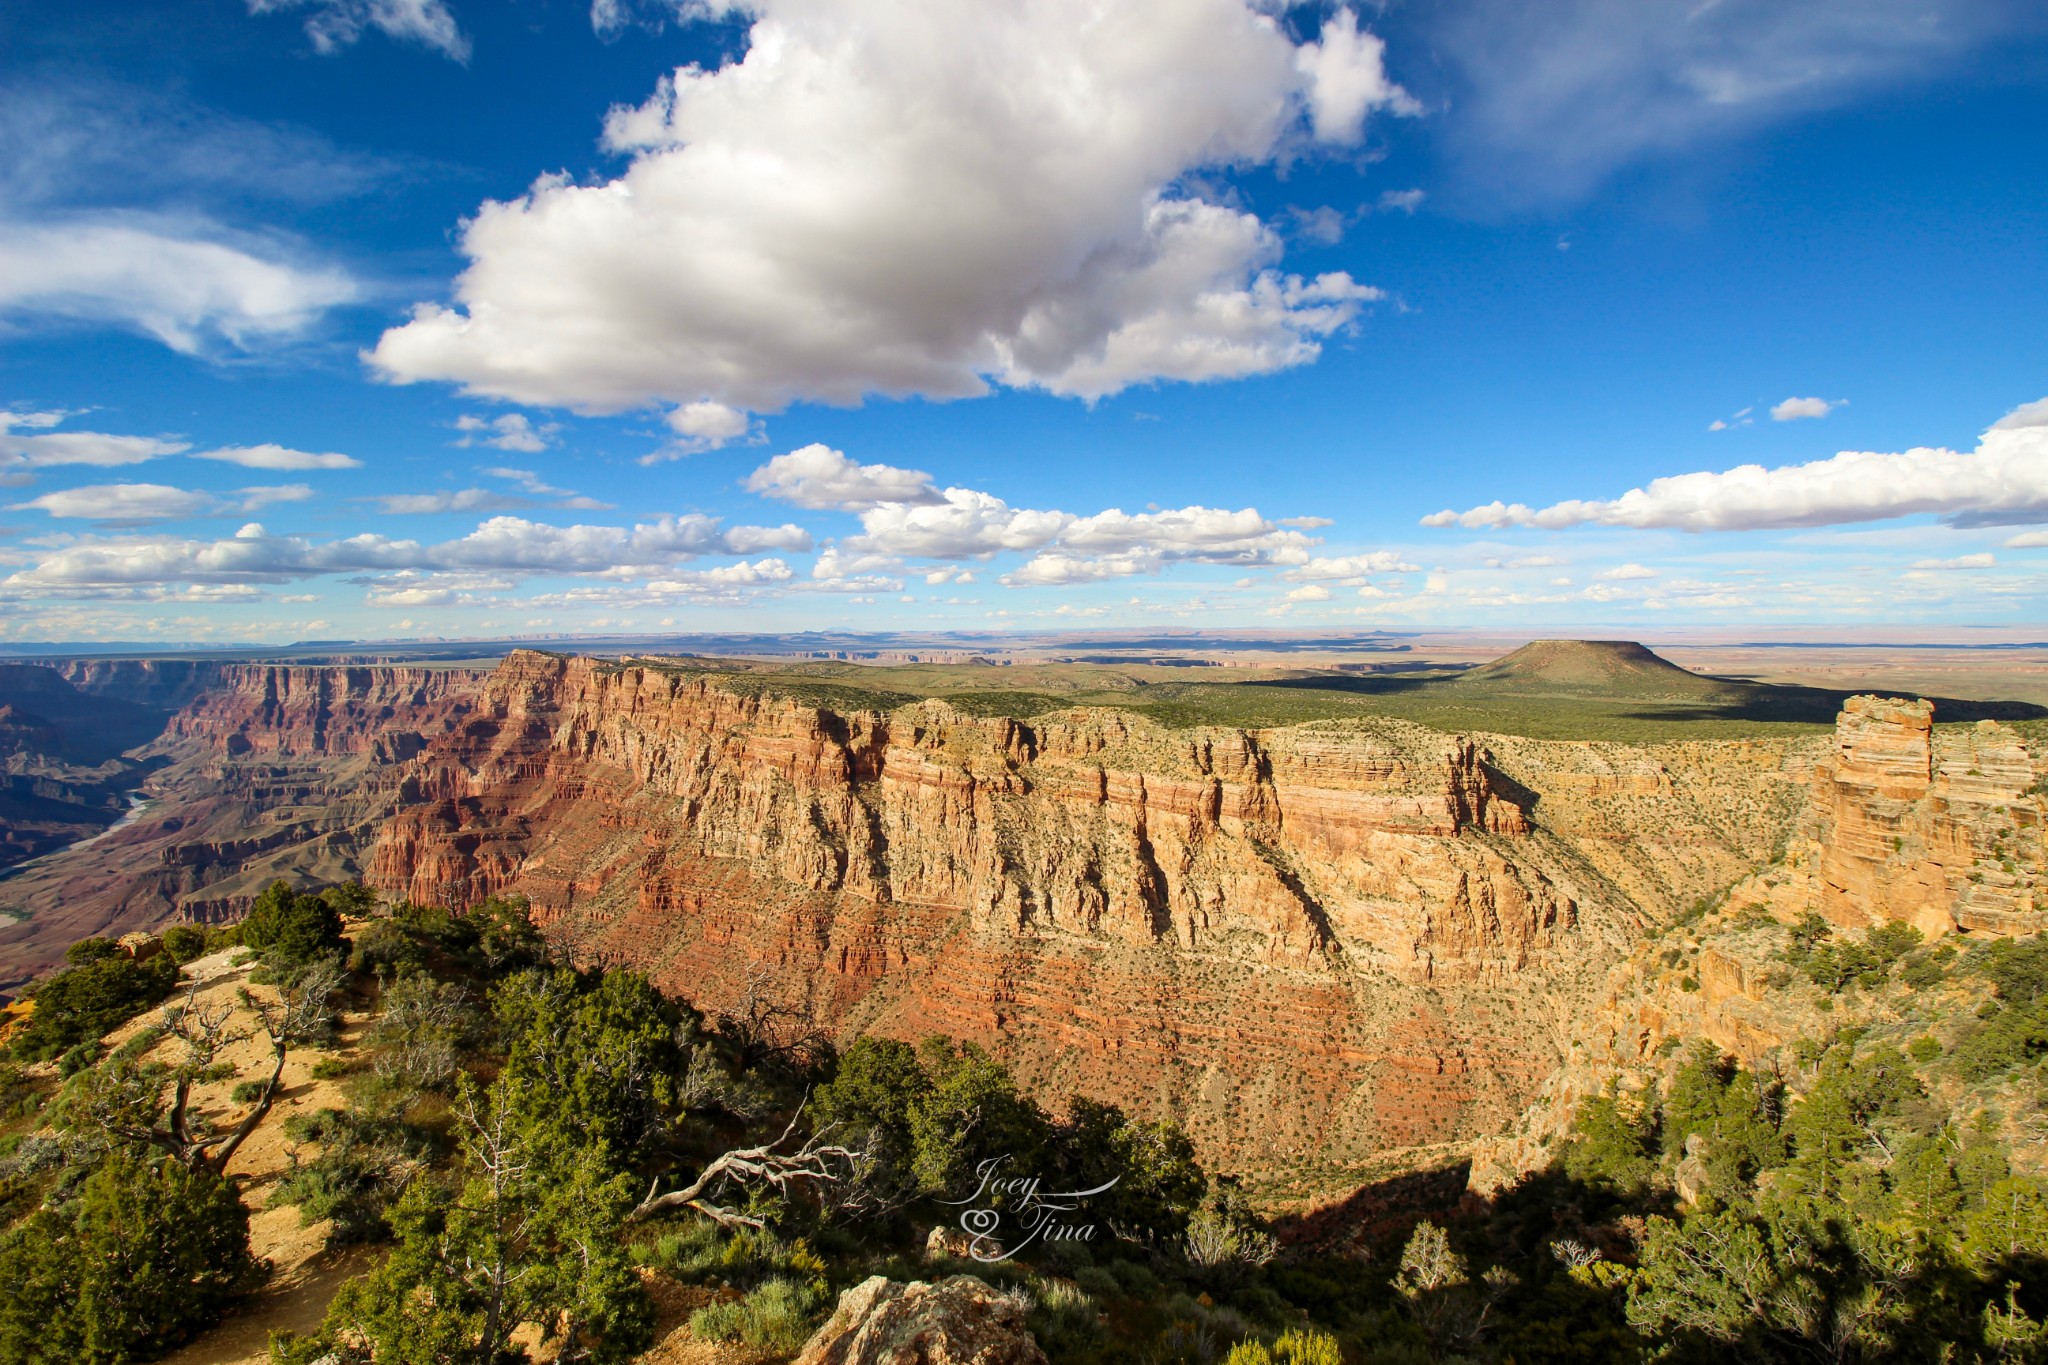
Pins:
x,y
392,318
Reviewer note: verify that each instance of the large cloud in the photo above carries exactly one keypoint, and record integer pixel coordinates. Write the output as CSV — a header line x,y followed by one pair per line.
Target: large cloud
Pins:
x,y
917,197
2003,481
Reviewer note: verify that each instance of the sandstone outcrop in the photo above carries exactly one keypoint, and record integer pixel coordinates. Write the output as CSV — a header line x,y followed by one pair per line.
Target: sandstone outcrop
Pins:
x,y
1907,822
958,1321
1941,829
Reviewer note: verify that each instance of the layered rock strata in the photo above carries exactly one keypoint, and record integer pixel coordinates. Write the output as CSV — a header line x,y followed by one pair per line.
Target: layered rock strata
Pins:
x,y
1941,829
1311,944
260,771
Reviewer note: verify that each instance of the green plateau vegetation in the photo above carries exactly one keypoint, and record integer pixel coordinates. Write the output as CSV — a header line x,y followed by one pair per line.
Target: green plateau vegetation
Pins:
x,y
528,1145
1552,689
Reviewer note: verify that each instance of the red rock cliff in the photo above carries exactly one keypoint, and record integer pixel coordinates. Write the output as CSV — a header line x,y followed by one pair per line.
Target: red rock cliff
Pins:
x,y
1312,944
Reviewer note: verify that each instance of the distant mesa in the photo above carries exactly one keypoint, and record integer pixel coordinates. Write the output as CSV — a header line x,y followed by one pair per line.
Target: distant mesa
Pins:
x,y
1611,667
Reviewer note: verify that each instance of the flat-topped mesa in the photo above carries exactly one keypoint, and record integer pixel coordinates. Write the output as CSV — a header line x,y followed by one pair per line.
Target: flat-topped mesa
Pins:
x,y
1938,829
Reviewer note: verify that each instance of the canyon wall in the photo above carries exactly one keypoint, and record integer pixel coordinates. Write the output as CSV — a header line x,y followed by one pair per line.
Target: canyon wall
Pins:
x,y
256,771
1327,948
1314,945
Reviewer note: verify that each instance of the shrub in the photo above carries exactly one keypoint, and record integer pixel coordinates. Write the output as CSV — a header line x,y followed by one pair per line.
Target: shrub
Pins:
x,y
1063,1319
150,1254
1097,1282
184,942
290,929
1297,1347
778,1316
99,993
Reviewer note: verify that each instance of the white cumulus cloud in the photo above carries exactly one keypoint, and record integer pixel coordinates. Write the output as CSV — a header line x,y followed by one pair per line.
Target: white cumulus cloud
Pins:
x,y
2004,480
904,516
270,456
1351,566
1347,79
916,197
818,476
1799,409
701,426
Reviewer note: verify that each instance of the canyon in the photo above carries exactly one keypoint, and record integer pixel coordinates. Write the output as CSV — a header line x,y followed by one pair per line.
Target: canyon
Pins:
x,y
1331,949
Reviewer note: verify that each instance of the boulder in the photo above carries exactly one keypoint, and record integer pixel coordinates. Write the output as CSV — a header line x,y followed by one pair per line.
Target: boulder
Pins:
x,y
958,1321
140,946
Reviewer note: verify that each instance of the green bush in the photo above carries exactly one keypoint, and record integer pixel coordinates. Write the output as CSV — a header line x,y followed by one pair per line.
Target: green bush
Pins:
x,y
1613,1139
185,942
90,950
150,1254
778,1316
101,993
291,929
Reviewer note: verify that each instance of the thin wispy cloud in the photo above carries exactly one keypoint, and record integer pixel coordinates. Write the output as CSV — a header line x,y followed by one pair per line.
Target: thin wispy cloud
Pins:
x,y
332,25
1545,102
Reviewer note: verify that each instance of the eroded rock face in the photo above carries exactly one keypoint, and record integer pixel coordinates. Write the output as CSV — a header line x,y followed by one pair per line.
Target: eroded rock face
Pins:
x,y
1095,822
958,1321
261,772
1936,829
1309,944
1314,946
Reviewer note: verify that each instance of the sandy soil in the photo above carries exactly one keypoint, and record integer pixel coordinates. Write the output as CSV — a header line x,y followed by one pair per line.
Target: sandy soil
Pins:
x,y
304,1275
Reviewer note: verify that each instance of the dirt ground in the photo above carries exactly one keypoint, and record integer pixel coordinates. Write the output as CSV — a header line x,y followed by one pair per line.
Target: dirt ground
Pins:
x,y
304,1275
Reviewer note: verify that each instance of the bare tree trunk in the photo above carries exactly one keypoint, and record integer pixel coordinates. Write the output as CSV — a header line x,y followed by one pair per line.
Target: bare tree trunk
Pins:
x,y
758,1165
218,1163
